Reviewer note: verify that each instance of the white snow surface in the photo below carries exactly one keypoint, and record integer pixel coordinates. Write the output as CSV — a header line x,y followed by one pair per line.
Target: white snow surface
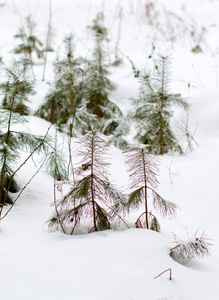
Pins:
x,y
121,264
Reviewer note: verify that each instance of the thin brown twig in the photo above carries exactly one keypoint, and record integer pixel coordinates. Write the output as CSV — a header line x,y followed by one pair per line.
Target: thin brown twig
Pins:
x,y
164,272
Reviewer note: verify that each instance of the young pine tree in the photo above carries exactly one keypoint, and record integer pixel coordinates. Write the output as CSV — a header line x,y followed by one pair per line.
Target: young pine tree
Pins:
x,y
99,88
143,179
11,140
29,43
91,194
15,93
63,105
152,111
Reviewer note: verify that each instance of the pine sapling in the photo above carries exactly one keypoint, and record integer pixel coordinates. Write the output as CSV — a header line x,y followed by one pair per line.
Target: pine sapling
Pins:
x,y
152,110
143,169
63,105
16,91
99,89
11,140
92,194
29,44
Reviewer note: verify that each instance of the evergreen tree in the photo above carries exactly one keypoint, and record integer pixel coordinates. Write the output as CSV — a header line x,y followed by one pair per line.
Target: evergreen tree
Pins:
x,y
16,90
153,110
91,194
63,104
12,141
29,43
99,88
143,179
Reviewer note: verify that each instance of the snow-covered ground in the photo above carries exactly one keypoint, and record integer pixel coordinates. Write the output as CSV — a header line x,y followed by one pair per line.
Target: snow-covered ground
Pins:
x,y
121,265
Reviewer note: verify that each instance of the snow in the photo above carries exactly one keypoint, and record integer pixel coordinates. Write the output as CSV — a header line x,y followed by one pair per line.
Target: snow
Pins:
x,y
121,264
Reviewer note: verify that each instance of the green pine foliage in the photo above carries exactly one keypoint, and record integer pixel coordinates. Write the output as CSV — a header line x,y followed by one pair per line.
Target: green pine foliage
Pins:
x,y
99,88
91,194
55,163
153,112
143,169
79,98
63,105
29,42
11,140
15,93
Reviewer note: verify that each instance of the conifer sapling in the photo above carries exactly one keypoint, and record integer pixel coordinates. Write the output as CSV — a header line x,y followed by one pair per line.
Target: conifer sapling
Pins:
x,y
11,140
143,169
63,105
99,88
17,89
29,43
92,194
152,110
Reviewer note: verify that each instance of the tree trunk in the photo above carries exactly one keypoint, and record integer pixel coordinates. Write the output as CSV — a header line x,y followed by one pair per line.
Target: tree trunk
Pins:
x,y
145,191
161,135
92,184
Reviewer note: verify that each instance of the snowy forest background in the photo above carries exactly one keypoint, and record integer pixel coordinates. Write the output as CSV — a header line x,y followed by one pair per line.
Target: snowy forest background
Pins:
x,y
164,52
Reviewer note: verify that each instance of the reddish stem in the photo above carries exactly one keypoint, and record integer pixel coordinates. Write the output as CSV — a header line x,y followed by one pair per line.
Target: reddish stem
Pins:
x,y
164,272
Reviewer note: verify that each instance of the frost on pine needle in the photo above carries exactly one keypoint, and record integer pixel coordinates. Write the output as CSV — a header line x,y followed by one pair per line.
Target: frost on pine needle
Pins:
x,y
195,247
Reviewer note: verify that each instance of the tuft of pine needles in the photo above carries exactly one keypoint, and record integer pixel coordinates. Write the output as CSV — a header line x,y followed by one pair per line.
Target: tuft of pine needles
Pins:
x,y
193,248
